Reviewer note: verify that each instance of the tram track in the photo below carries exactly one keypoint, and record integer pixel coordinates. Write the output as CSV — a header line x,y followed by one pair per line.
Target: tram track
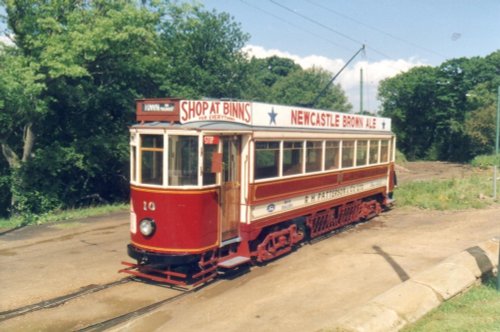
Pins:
x,y
109,323
44,312
60,300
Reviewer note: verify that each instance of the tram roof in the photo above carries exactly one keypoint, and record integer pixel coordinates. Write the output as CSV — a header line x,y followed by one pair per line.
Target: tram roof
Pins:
x,y
220,126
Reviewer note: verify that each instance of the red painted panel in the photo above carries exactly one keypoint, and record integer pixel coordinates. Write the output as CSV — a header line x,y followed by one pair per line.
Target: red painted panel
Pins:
x,y
364,173
186,221
291,187
281,189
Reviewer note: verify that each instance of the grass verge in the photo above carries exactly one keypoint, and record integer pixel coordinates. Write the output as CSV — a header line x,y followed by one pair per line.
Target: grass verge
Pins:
x,y
476,310
453,194
62,215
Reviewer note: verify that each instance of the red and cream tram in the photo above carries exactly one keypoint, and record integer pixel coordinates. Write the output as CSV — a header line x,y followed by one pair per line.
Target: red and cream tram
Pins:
x,y
219,184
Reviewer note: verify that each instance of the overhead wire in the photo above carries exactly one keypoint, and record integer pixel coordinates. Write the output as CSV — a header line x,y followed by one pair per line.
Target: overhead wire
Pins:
x,y
375,29
324,26
294,25
307,18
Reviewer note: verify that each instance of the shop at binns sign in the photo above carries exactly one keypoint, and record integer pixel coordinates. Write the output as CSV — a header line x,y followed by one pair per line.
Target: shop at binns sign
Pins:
x,y
272,115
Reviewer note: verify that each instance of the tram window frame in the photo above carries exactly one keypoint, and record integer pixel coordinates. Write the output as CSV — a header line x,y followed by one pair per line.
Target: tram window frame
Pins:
x,y
334,158
361,152
347,155
155,165
373,151
133,163
178,174
292,150
264,153
314,156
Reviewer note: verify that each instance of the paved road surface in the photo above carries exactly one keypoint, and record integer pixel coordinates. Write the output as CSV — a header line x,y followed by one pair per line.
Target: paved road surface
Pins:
x,y
305,291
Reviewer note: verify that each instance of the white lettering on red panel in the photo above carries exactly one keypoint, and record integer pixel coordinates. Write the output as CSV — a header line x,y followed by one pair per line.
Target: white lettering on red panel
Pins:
x,y
210,140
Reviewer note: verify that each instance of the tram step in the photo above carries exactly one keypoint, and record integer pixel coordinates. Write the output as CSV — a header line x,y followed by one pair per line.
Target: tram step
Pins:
x,y
233,262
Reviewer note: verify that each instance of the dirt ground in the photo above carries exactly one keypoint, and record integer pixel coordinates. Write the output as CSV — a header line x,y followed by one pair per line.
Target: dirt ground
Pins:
x,y
305,291
433,170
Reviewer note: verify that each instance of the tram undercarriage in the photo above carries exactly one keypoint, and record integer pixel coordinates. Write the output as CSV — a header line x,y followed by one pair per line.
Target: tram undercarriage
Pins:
x,y
273,242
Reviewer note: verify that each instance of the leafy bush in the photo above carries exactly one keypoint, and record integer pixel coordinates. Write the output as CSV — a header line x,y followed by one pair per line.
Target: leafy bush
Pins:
x,y
485,161
400,157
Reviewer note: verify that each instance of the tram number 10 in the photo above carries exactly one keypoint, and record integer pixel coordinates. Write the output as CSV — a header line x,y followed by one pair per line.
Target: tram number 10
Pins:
x,y
148,206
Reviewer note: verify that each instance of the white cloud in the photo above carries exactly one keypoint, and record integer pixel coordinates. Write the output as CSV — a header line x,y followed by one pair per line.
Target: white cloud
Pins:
x,y
349,79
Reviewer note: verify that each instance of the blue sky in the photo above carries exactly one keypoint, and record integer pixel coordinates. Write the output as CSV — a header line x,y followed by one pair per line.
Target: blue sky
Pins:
x,y
399,34
431,30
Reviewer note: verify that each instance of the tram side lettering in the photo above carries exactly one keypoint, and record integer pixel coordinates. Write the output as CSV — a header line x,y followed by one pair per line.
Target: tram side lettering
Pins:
x,y
215,110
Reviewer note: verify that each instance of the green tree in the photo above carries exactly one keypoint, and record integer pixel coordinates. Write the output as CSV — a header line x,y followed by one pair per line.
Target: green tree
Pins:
x,y
432,114
77,68
264,73
410,100
70,83
21,112
202,53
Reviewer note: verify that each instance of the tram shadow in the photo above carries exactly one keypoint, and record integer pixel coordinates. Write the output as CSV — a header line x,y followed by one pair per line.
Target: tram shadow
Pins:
x,y
403,276
483,262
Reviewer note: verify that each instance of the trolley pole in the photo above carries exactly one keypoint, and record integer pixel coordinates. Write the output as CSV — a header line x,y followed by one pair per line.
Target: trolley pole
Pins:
x,y
497,157
361,91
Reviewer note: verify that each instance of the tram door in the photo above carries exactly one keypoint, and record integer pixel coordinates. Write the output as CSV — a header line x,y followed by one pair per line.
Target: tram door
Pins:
x,y
230,186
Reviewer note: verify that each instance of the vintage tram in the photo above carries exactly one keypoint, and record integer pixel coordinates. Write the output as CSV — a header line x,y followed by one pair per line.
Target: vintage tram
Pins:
x,y
220,184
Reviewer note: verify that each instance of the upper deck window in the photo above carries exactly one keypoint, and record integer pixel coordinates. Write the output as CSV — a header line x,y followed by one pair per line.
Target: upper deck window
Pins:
x,y
152,159
293,156
267,156
183,160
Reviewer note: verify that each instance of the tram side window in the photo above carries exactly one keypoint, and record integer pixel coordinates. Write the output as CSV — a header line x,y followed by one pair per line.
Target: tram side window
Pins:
x,y
314,156
152,159
374,151
361,153
332,155
267,156
384,151
292,158
347,154
183,160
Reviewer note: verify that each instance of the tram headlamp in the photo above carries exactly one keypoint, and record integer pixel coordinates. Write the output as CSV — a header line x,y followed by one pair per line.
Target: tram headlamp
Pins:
x,y
147,227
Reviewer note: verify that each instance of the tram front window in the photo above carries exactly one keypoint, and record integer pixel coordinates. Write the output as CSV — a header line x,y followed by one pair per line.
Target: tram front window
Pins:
x,y
152,159
183,160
